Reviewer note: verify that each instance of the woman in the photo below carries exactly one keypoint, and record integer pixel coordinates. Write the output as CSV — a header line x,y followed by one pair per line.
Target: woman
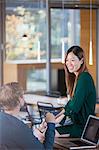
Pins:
x,y
81,89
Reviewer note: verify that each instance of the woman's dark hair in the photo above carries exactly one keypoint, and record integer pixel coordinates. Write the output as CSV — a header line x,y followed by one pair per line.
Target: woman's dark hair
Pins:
x,y
71,79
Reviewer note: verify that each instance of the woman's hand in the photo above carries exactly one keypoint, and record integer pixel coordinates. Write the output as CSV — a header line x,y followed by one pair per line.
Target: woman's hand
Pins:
x,y
59,116
62,112
38,134
43,126
50,118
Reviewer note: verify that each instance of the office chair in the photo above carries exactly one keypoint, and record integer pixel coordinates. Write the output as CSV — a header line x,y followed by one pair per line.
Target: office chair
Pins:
x,y
43,108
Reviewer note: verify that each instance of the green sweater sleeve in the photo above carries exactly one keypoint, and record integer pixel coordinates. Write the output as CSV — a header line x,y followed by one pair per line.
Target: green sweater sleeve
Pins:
x,y
83,90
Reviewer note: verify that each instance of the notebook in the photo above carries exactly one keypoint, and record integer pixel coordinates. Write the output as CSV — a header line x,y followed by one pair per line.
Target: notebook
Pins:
x,y
89,138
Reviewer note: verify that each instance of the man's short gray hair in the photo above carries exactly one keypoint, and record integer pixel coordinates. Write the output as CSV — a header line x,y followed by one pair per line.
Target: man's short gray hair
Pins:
x,y
9,95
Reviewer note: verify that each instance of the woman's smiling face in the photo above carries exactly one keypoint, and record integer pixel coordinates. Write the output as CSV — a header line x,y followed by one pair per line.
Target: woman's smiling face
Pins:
x,y
73,63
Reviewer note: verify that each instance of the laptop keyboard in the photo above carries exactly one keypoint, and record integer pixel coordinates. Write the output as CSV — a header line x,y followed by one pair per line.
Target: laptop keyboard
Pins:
x,y
81,143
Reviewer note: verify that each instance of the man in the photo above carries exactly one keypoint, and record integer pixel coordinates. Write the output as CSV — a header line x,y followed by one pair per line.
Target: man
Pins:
x,y
14,134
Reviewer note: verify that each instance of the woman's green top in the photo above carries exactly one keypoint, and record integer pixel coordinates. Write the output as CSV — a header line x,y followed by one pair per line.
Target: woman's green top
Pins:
x,y
80,106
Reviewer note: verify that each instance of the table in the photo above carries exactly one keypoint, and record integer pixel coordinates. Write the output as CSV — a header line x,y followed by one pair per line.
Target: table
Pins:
x,y
33,99
58,146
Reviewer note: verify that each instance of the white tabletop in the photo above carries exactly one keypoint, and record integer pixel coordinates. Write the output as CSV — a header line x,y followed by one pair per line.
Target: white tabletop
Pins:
x,y
33,99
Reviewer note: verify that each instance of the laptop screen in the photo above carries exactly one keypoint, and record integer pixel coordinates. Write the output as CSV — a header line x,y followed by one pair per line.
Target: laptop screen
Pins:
x,y
91,132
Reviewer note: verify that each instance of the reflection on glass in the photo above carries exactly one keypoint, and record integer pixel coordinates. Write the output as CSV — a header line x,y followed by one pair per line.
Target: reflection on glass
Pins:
x,y
36,80
63,25
25,31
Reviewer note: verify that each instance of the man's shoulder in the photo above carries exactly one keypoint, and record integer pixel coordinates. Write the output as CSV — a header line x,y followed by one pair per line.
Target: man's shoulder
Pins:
x,y
7,116
9,120
4,115
11,124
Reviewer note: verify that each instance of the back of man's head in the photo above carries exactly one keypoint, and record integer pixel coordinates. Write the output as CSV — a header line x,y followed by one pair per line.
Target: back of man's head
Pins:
x,y
9,95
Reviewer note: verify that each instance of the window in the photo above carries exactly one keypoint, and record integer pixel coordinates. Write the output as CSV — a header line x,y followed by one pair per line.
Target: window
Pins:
x,y
65,30
26,37
25,30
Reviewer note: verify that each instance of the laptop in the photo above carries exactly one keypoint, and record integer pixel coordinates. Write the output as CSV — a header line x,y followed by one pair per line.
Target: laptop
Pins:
x,y
89,138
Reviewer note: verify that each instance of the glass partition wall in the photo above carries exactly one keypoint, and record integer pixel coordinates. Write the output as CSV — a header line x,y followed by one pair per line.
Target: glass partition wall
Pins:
x,y
65,30
26,36
25,31
27,39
